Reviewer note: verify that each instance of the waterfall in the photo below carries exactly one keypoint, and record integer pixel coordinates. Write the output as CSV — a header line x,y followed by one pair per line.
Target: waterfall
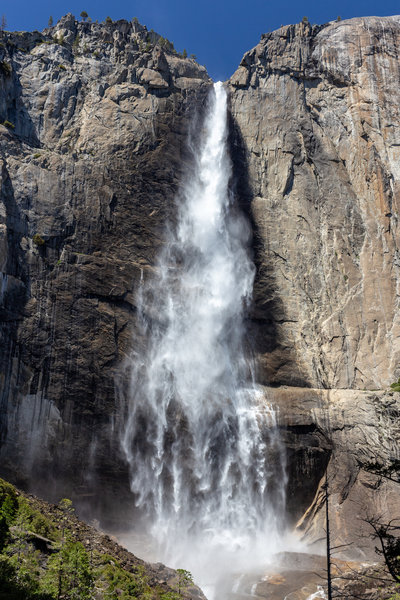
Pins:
x,y
206,465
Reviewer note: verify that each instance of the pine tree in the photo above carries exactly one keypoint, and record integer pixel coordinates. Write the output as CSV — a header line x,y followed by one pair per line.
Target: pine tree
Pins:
x,y
50,23
69,574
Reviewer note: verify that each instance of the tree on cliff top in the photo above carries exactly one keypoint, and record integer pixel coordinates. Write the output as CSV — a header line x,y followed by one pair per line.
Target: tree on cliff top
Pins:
x,y
84,15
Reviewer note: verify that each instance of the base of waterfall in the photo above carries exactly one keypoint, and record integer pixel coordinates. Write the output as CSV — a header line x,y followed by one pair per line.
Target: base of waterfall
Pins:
x,y
225,573
291,576
297,572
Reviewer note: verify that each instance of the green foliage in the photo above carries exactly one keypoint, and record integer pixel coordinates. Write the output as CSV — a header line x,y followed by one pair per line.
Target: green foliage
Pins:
x,y
304,20
38,240
184,53
8,510
69,574
7,571
66,506
6,490
25,562
339,18
119,584
147,47
5,68
50,23
76,41
135,20
32,520
62,67
37,155
396,386
169,596
8,124
185,579
84,15
18,580
193,56
59,40
4,532
109,20
166,44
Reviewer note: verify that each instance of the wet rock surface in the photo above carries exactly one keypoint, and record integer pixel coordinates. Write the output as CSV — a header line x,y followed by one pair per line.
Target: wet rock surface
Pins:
x,y
339,433
302,576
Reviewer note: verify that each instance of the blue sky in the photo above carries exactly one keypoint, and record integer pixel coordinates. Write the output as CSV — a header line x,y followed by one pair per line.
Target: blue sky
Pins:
x,y
219,32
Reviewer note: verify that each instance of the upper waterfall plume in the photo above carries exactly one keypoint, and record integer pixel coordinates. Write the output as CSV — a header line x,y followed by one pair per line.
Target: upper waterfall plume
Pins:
x,y
206,465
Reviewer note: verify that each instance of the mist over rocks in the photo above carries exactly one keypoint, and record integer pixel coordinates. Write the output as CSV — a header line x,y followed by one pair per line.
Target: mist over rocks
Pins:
x,y
93,149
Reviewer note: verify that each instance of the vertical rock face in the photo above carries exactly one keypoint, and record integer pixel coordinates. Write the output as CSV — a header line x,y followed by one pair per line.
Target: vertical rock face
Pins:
x,y
346,435
317,124
95,121
94,143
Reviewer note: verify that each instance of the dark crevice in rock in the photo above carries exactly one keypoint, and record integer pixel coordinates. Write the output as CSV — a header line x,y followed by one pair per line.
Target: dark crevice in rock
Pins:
x,y
120,302
267,309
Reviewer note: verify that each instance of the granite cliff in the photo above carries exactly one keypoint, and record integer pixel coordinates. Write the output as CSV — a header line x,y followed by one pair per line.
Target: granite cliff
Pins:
x,y
316,119
93,147
317,111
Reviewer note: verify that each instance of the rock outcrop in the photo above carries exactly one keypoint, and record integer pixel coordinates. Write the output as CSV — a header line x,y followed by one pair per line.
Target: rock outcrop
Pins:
x,y
317,134
345,435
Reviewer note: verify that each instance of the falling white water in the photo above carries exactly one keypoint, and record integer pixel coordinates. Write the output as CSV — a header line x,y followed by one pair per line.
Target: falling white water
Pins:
x,y
318,594
206,465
